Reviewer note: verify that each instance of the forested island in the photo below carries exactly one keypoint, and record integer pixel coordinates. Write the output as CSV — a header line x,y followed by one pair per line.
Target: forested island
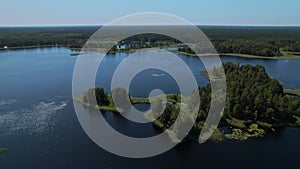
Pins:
x,y
237,41
256,104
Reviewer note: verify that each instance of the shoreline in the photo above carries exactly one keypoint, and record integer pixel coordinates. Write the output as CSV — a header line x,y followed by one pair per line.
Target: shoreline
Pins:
x,y
287,57
31,47
284,57
242,130
292,92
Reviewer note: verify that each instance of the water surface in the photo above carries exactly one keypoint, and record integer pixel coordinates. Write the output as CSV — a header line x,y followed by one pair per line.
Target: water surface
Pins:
x,y
39,127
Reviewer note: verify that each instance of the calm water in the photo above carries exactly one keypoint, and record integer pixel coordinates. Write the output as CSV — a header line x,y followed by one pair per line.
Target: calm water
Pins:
x,y
39,127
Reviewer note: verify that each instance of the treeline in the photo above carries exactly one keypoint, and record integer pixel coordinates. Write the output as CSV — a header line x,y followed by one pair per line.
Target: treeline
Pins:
x,y
253,95
257,41
262,41
148,40
243,46
255,103
73,37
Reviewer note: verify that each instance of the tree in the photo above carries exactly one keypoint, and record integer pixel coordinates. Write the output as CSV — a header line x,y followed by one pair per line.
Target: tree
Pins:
x,y
101,97
237,110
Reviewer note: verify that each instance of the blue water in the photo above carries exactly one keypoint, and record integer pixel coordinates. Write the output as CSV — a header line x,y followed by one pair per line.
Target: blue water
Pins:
x,y
39,127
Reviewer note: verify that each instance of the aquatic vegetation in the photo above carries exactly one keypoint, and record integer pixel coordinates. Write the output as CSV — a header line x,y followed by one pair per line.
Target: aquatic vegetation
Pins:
x,y
2,150
252,131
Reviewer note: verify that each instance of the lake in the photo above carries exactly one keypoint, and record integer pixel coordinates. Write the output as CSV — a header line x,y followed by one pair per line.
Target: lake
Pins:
x,y
38,124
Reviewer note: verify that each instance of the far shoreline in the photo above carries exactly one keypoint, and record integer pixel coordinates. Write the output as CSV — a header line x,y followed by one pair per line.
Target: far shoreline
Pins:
x,y
287,57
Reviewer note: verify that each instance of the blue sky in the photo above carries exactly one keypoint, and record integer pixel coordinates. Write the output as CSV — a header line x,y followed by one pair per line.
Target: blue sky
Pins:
x,y
98,12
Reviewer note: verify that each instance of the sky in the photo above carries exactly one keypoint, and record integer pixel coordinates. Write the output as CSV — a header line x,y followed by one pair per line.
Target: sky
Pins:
x,y
99,12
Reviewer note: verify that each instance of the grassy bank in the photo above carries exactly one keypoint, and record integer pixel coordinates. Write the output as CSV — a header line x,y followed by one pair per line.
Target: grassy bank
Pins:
x,y
101,108
286,56
293,92
172,98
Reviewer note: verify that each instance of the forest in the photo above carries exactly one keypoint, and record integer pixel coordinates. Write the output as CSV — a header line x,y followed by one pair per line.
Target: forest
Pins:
x,y
262,41
259,41
73,37
256,104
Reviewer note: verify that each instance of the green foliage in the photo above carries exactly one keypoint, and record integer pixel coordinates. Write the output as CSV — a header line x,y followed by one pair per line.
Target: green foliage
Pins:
x,y
255,131
237,134
253,95
2,150
252,40
98,94
101,97
236,123
74,37
260,41
169,115
255,103
217,136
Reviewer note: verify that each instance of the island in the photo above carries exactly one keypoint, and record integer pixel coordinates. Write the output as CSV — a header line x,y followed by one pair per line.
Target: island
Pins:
x,y
256,104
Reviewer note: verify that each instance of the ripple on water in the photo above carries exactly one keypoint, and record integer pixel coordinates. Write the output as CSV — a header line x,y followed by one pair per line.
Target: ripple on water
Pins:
x,y
41,118
7,102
